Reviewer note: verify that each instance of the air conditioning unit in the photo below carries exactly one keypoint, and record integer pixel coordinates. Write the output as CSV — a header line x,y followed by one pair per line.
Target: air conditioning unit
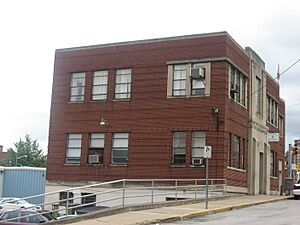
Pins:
x,y
198,73
93,159
198,161
198,152
234,88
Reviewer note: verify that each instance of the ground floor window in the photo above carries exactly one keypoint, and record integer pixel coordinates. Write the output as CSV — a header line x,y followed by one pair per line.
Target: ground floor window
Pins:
x,y
179,145
120,148
236,157
74,148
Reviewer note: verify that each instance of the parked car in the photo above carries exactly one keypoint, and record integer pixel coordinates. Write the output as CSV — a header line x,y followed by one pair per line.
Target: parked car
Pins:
x,y
30,217
23,204
296,190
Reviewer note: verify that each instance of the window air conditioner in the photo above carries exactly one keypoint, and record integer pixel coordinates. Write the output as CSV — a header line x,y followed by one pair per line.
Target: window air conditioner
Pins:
x,y
93,159
198,73
197,161
234,88
198,152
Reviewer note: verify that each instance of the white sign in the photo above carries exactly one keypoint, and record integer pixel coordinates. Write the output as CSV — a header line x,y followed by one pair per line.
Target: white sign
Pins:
x,y
273,137
207,152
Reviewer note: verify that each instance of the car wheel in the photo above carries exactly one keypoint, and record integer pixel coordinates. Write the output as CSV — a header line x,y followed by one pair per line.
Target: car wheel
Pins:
x,y
296,197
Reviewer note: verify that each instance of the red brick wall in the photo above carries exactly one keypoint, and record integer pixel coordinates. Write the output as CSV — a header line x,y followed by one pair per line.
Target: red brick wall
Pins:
x,y
278,147
150,117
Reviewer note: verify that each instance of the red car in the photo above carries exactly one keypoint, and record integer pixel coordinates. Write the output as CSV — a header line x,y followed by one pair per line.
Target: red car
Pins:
x,y
32,217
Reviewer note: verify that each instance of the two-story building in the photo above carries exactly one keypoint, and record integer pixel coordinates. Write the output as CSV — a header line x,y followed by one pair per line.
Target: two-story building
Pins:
x,y
146,109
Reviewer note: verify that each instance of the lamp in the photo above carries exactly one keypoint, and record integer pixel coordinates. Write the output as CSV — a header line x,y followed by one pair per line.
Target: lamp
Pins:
x,y
103,122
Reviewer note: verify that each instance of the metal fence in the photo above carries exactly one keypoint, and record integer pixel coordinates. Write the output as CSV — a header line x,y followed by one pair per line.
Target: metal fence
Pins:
x,y
124,192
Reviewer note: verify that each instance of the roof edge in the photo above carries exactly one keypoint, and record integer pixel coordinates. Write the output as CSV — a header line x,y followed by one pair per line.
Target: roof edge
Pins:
x,y
191,36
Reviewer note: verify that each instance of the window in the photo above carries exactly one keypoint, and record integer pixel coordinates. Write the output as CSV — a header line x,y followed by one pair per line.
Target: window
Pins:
x,y
272,111
77,87
97,145
258,96
272,163
64,195
198,79
189,79
281,125
198,142
237,86
179,80
120,148
236,154
123,84
74,148
179,144
99,91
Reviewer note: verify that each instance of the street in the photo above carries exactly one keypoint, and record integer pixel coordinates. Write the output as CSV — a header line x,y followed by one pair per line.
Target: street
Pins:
x,y
277,213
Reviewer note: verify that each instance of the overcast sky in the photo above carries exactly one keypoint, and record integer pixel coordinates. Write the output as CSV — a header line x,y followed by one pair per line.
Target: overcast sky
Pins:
x,y
30,31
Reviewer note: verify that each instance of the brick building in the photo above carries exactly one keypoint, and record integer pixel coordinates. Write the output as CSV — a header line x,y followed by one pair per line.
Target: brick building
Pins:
x,y
146,109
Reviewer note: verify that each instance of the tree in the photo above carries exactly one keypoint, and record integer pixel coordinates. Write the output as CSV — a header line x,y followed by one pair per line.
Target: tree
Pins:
x,y
25,153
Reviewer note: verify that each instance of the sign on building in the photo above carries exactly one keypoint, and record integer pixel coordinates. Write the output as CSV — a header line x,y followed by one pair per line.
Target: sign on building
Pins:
x,y
273,137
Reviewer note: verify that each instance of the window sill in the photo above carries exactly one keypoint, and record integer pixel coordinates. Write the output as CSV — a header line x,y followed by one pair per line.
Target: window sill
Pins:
x,y
276,178
244,106
200,166
95,164
118,165
72,164
97,101
177,166
79,102
236,169
122,100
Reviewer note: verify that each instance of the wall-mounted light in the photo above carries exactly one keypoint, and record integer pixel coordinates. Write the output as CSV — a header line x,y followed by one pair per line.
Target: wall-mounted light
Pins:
x,y
215,110
103,122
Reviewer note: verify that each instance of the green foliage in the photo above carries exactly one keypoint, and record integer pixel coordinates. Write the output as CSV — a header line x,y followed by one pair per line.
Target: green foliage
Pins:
x,y
25,153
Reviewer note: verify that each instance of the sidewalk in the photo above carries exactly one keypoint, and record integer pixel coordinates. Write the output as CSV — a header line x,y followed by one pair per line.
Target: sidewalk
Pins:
x,y
172,213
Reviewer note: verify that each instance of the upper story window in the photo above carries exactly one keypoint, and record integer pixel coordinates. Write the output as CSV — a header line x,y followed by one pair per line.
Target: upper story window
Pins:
x,y
77,87
99,91
120,148
258,96
179,148
123,84
198,79
281,125
74,148
179,80
237,86
272,111
189,79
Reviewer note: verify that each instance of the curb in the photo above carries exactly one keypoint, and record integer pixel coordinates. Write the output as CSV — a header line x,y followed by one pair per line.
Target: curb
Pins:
x,y
211,211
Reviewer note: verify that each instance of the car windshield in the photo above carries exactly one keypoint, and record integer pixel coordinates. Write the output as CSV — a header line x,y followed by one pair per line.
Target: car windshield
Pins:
x,y
298,182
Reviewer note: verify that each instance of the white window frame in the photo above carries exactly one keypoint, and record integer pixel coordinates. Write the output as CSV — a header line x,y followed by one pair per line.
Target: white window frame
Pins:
x,y
121,83
116,147
237,78
100,81
73,151
178,150
181,80
77,87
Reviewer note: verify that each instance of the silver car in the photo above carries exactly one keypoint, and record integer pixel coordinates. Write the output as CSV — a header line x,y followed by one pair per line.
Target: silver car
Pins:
x,y
20,203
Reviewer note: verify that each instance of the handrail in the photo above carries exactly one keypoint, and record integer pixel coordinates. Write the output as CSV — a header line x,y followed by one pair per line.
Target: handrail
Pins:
x,y
147,189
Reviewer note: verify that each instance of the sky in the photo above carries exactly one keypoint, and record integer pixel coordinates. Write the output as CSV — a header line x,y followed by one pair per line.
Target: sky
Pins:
x,y
31,30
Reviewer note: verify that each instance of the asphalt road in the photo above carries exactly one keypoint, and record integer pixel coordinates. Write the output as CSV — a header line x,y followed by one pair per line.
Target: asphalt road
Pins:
x,y
278,213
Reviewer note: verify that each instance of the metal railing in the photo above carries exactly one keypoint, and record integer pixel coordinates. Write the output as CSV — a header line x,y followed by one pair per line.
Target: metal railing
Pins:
x,y
125,192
